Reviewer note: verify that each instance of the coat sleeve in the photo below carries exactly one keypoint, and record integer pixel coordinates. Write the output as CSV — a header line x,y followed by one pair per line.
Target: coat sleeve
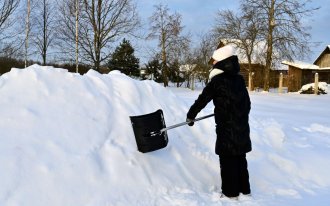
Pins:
x,y
203,99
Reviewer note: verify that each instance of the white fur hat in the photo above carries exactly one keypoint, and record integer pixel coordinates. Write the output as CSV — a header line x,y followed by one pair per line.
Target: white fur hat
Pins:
x,y
223,53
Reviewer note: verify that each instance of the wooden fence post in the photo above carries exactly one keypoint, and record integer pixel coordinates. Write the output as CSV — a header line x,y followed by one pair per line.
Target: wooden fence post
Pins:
x,y
316,84
280,84
250,81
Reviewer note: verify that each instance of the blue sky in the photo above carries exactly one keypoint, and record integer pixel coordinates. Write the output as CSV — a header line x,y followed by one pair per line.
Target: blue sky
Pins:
x,y
198,16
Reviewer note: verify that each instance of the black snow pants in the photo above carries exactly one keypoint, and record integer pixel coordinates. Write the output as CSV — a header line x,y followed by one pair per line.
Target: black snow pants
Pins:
x,y
234,175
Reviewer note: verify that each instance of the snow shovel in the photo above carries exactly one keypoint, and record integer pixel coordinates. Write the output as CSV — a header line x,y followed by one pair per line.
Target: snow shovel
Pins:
x,y
150,130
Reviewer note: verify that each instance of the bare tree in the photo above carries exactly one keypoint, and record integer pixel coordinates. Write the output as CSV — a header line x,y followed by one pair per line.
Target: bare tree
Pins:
x,y
241,30
283,30
7,7
77,35
167,29
27,31
202,54
67,29
101,22
44,20
9,42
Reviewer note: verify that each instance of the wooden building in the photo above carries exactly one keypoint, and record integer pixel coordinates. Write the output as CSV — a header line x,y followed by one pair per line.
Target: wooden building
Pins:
x,y
300,73
323,61
258,71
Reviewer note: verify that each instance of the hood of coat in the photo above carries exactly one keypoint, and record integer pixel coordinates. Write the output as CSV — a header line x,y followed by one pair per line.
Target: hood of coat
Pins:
x,y
229,65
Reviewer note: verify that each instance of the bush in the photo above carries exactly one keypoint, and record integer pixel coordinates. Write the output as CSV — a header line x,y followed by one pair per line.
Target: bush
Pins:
x,y
7,63
309,88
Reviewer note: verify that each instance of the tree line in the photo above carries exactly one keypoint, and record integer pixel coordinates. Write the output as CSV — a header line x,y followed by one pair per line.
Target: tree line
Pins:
x,y
85,33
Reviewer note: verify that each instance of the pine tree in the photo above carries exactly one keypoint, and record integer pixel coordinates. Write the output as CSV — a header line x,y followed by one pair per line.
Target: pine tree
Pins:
x,y
174,74
153,68
123,59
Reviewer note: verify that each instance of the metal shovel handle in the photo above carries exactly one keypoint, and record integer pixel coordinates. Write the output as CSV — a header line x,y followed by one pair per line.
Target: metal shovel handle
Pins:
x,y
179,125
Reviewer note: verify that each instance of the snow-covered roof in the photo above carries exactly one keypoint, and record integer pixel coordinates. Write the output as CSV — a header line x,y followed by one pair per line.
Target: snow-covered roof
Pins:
x,y
302,65
324,68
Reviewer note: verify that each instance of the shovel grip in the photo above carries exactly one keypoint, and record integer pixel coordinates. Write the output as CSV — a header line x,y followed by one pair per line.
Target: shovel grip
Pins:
x,y
184,123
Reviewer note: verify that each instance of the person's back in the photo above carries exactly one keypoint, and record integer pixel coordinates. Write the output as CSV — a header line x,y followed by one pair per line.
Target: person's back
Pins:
x,y
232,107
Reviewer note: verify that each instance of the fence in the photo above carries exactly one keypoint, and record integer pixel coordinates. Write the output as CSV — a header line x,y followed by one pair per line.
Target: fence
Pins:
x,y
282,84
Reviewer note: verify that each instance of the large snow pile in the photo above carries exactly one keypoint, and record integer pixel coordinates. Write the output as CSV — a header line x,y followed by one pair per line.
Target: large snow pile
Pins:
x,y
66,140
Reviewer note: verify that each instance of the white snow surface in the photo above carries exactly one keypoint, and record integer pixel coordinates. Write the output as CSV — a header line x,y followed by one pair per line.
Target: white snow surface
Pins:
x,y
66,139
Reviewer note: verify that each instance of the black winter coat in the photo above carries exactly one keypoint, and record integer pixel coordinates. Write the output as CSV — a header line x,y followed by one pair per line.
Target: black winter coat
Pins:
x,y
232,106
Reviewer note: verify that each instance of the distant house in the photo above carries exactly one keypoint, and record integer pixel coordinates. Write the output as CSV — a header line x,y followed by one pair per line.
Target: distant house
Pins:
x,y
301,73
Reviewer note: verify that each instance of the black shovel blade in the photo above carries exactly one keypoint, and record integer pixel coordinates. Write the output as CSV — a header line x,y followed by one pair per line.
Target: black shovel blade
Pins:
x,y
146,133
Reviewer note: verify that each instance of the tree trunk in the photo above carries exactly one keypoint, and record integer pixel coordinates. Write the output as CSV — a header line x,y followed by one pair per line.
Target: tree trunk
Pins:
x,y
44,30
96,21
27,32
164,63
271,26
97,65
250,73
77,21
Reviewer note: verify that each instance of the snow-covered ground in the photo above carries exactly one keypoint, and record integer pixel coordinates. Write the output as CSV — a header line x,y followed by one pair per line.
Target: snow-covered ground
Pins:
x,y
67,140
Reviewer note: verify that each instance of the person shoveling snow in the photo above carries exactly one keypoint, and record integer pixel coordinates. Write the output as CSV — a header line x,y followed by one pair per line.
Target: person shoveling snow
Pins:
x,y
232,106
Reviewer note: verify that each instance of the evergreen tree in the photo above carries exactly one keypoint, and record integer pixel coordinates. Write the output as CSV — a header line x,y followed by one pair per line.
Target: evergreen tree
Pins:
x,y
153,69
123,59
174,74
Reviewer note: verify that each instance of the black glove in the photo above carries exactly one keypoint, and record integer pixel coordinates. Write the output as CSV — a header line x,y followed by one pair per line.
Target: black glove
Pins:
x,y
191,123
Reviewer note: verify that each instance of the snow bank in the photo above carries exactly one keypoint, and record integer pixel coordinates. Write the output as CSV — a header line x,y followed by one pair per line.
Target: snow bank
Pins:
x,y
66,139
